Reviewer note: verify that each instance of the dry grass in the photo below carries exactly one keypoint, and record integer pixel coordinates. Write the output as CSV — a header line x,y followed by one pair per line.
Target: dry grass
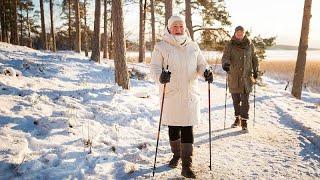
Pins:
x,y
284,70
134,59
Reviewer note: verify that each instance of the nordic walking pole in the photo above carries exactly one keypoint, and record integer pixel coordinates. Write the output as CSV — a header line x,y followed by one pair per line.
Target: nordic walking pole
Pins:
x,y
254,103
225,103
209,123
155,157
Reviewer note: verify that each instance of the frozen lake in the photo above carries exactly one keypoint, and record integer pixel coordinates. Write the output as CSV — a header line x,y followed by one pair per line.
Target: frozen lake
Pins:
x,y
277,55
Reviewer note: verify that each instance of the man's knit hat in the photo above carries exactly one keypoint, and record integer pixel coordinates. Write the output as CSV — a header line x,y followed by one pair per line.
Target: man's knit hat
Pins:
x,y
239,28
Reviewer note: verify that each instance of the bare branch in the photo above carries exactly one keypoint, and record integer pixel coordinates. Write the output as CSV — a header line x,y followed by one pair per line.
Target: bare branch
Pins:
x,y
220,30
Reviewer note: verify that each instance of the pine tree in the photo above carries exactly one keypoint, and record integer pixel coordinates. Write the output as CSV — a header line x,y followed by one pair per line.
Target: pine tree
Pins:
x,y
78,27
302,52
14,22
53,35
85,28
3,21
153,24
168,10
28,27
95,56
110,47
105,30
142,47
188,17
43,27
68,15
121,70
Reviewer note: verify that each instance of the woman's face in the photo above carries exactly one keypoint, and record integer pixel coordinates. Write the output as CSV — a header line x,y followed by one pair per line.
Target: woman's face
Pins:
x,y
239,35
177,28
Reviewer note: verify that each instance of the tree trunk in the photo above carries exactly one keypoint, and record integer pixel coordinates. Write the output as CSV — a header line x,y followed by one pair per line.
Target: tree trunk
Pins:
x,y
14,22
29,29
153,25
142,47
121,70
53,36
69,25
168,8
188,17
43,28
7,19
95,56
85,29
10,20
78,27
105,32
2,20
302,53
111,38
0,28
21,26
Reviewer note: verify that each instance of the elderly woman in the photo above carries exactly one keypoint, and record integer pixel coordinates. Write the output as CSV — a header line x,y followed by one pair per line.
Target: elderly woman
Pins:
x,y
239,60
177,61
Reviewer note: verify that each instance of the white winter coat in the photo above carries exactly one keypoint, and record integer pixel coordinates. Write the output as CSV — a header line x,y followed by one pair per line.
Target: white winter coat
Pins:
x,y
186,63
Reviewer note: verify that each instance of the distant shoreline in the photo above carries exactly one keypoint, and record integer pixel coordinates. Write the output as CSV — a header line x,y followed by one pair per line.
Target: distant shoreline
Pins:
x,y
289,60
282,47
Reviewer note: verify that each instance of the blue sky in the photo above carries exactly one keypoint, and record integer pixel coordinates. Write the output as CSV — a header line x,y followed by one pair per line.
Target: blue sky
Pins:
x,y
281,18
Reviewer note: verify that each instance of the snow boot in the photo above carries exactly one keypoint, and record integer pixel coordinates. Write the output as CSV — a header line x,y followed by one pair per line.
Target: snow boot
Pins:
x,y
244,125
186,157
175,149
236,122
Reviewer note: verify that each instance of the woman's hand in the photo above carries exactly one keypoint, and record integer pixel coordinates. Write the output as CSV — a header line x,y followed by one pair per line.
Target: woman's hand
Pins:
x,y
208,75
165,76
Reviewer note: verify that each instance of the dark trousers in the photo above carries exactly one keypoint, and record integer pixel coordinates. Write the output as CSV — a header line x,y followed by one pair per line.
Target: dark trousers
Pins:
x,y
183,132
241,104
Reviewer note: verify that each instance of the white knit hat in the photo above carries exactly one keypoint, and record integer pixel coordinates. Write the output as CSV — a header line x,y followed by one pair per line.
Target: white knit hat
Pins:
x,y
173,19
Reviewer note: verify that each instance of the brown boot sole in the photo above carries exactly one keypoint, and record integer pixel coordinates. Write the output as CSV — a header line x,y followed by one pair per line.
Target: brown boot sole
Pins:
x,y
186,175
245,130
234,125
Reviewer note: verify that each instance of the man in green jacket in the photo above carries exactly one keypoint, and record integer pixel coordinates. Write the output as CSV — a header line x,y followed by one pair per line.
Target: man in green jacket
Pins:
x,y
241,63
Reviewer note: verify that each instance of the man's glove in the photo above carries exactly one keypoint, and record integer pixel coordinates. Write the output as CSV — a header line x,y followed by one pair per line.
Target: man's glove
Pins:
x,y
255,75
226,67
208,75
165,76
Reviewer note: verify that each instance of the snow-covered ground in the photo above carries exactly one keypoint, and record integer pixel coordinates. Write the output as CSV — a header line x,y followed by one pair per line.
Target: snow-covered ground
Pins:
x,y
47,115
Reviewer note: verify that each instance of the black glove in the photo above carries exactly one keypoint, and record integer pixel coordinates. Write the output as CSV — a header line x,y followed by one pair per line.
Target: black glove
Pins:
x,y
255,75
208,75
226,67
165,76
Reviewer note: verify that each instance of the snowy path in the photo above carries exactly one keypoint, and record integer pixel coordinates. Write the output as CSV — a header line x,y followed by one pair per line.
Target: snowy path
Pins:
x,y
58,90
274,149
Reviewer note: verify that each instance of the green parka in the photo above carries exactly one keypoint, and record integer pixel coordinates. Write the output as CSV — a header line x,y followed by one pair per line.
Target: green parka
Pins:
x,y
243,63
